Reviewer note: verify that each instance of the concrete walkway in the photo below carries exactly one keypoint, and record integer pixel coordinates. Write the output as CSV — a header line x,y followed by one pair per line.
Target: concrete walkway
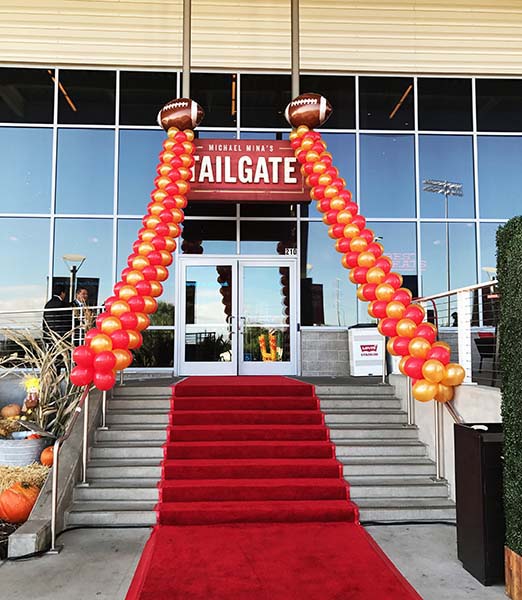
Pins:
x,y
98,564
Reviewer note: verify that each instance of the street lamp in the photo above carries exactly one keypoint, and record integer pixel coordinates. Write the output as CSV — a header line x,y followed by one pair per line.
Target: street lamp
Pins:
x,y
448,188
73,262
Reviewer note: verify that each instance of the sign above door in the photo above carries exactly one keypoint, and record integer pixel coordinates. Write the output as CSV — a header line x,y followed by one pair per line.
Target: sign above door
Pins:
x,y
246,171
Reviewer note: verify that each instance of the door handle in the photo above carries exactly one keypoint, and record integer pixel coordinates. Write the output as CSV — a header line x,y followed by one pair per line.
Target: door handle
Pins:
x,y
230,321
242,324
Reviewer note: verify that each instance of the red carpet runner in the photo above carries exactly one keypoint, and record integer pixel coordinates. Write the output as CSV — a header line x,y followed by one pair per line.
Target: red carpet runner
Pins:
x,y
253,503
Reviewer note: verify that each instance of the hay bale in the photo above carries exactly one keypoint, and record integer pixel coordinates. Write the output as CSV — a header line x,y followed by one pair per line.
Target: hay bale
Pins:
x,y
35,474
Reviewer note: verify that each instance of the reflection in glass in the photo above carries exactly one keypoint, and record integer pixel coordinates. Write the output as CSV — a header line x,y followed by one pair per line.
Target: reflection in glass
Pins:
x,y
255,209
26,95
217,94
447,158
215,135
386,103
499,158
138,159
327,295
340,91
444,104
25,170
91,238
209,237
400,244
208,310
157,349
488,250
143,94
25,264
87,97
387,176
264,99
498,104
85,171
270,237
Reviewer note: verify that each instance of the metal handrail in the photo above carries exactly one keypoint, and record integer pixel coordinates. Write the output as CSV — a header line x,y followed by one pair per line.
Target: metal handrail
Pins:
x,y
468,288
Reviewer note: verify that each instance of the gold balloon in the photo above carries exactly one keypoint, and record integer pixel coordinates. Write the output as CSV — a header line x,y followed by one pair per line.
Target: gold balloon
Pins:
x,y
110,324
163,182
395,310
174,228
148,235
442,345
419,347
156,289
307,144
150,304
118,307
156,208
151,222
100,343
375,275
140,262
166,258
389,346
170,244
344,217
384,291
424,391
134,339
161,273
433,370
134,276
145,248
123,359
166,167
358,244
159,195
190,134
337,203
183,187
406,327
402,363
143,321
366,259
350,231
445,393
454,374
127,291
359,293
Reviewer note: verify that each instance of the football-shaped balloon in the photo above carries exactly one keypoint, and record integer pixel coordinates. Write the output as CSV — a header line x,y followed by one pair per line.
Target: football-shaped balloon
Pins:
x,y
308,109
182,113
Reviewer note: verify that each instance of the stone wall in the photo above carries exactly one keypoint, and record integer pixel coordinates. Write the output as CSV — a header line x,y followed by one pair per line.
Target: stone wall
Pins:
x,y
324,352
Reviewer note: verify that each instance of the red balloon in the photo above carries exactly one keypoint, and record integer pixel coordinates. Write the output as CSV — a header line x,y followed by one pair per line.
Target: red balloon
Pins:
x,y
367,234
120,338
324,205
331,216
108,303
136,303
426,331
128,320
413,367
83,356
350,258
368,291
318,192
162,228
378,309
118,286
149,273
402,296
359,274
100,318
104,380
154,258
350,206
91,333
143,287
104,361
388,327
360,222
393,279
375,249
343,245
439,353
415,313
81,376
125,272
400,345
383,264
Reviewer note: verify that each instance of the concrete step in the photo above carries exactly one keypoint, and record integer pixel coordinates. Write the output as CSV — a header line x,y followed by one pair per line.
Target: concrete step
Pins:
x,y
405,487
333,389
151,417
360,402
364,415
142,404
117,450
144,490
116,513
133,469
129,433
127,391
369,431
406,509
386,466
379,448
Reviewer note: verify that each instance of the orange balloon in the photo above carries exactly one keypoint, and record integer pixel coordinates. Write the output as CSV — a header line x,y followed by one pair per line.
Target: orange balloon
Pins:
x,y
100,343
384,291
189,133
183,186
337,203
402,363
127,291
150,305
433,370
163,182
174,230
151,222
118,307
145,248
134,276
110,324
419,347
134,339
454,374
358,244
166,258
172,132
442,345
395,310
165,167
307,144
140,262
406,327
156,289
359,294
350,231
312,156
123,359
375,275
159,195
330,191
157,207
424,391
344,217
389,346
167,156
445,393
170,244
143,321
161,273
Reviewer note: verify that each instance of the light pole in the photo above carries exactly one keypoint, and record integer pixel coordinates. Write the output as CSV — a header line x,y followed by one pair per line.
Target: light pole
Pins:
x,y
73,262
448,188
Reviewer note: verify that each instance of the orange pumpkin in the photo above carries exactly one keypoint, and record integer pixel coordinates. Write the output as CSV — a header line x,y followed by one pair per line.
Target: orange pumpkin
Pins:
x,y
10,410
47,456
17,501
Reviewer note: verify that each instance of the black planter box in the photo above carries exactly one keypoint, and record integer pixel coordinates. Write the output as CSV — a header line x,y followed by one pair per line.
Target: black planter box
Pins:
x,y
480,510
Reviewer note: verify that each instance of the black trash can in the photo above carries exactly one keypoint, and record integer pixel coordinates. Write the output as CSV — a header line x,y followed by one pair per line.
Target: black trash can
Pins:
x,y
480,509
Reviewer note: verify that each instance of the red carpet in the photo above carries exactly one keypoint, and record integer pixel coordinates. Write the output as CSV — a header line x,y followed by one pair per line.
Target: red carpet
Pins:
x,y
251,476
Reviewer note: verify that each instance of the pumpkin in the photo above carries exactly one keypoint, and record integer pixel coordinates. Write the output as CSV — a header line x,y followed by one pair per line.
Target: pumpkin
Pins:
x,y
17,501
47,456
33,436
10,410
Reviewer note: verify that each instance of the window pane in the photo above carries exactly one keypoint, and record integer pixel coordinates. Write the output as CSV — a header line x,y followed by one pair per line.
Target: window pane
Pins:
x,y
264,99
142,95
86,97
26,95
342,148
281,209
91,238
85,174
498,104
327,295
24,243
209,237
386,103
157,350
25,170
499,160
217,94
340,92
461,244
215,135
488,250
444,104
447,158
387,176
400,244
267,237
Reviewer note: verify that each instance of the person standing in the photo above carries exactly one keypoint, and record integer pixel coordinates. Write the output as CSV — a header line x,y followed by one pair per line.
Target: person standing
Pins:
x,y
57,321
81,315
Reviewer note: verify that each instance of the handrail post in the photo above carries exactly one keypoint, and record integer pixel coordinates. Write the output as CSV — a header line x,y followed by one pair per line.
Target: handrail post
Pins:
x,y
54,496
439,439
384,364
410,404
464,312
103,425
85,441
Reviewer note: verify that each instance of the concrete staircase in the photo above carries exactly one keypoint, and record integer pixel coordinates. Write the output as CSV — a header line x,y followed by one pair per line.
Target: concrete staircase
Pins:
x,y
391,478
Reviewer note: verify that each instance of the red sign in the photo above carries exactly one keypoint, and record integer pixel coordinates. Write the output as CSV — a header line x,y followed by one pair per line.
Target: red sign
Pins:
x,y
246,170
369,349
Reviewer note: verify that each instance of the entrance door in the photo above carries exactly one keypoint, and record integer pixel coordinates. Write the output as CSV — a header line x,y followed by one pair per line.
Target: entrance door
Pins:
x,y
237,316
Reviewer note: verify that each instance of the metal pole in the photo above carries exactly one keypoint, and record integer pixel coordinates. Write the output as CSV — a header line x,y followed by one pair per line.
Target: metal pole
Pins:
x,y
446,213
104,412
439,439
185,80
295,47
85,441
384,365
121,377
54,497
410,403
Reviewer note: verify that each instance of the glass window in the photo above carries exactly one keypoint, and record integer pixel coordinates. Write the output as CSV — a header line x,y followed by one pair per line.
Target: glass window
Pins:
x,y
261,135
264,99
209,237
440,246
157,349
444,104
215,135
447,158
85,172
499,160
143,94
488,250
498,104
268,237
26,95
340,92
281,209
387,176
23,276
86,97
217,95
127,235
25,169
386,103
342,148
91,238
400,244
327,295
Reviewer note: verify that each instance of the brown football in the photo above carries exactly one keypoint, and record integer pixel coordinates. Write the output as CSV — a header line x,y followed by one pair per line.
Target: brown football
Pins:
x,y
182,113
308,109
